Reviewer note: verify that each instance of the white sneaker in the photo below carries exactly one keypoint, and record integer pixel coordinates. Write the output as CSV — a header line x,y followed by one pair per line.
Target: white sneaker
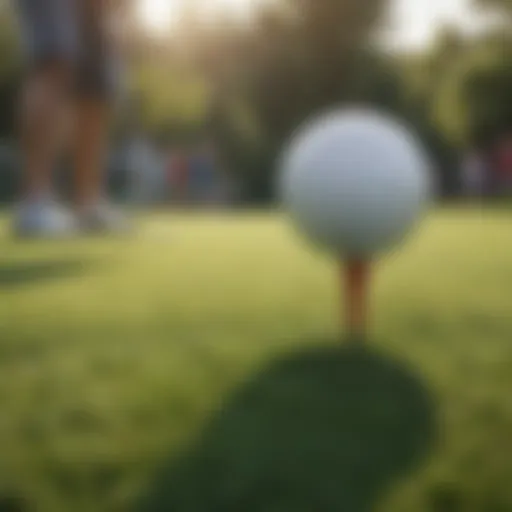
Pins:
x,y
43,218
103,218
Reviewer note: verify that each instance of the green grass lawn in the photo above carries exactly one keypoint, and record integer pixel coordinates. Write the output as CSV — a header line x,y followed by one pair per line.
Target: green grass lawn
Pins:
x,y
196,368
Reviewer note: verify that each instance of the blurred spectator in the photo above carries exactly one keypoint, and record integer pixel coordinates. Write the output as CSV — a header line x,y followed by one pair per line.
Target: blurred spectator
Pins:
x,y
73,76
203,173
503,163
474,173
146,171
177,174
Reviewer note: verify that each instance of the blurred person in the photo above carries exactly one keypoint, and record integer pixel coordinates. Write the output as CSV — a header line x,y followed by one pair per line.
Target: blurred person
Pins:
x,y
169,175
146,168
204,173
66,97
503,159
178,172
474,173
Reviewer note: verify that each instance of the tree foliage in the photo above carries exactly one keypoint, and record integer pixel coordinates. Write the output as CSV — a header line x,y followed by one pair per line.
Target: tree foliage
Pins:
x,y
296,59
499,6
249,85
10,69
472,104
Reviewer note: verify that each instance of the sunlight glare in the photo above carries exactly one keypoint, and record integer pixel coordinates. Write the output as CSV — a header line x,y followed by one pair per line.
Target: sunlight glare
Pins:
x,y
157,15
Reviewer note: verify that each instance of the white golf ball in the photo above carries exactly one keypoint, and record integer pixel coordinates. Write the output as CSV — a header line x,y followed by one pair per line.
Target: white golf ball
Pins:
x,y
355,181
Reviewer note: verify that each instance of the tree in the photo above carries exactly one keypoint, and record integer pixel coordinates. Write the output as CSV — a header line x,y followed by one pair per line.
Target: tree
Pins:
x,y
297,58
10,69
473,102
499,6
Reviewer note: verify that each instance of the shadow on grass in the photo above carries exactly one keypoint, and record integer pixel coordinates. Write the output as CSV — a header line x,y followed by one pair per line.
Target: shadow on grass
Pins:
x,y
15,274
326,430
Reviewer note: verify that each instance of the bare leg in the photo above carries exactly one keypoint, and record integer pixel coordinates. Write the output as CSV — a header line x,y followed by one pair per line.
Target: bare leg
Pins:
x,y
90,144
95,86
43,123
91,138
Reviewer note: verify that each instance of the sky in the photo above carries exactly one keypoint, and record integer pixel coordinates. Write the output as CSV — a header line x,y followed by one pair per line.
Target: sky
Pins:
x,y
413,21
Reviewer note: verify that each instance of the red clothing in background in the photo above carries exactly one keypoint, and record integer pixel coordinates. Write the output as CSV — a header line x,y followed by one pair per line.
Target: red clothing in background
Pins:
x,y
504,160
178,171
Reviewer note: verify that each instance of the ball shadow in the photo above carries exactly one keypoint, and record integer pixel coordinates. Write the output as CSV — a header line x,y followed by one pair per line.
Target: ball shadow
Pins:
x,y
325,430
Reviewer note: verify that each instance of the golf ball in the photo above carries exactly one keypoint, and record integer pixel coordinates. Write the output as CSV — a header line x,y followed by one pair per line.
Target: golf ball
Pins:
x,y
355,181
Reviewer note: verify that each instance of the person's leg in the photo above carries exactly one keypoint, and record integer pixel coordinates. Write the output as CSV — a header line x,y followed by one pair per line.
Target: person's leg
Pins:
x,y
91,155
43,123
90,152
92,105
96,89
50,45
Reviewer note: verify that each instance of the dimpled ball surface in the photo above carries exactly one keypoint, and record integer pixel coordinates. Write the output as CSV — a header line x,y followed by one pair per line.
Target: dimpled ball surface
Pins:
x,y
355,181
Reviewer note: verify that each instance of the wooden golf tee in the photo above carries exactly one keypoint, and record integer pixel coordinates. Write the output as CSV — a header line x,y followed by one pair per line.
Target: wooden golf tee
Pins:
x,y
356,278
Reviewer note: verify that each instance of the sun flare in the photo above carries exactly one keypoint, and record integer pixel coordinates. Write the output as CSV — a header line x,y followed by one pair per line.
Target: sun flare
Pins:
x,y
157,15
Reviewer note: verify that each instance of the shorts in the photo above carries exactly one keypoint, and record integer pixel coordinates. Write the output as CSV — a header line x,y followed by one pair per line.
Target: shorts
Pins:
x,y
75,32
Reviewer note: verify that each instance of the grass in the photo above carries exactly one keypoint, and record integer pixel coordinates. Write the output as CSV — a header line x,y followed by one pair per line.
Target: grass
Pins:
x,y
196,368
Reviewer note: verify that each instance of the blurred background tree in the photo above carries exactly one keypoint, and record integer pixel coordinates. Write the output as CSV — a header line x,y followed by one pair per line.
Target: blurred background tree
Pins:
x,y
248,83
500,6
10,68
